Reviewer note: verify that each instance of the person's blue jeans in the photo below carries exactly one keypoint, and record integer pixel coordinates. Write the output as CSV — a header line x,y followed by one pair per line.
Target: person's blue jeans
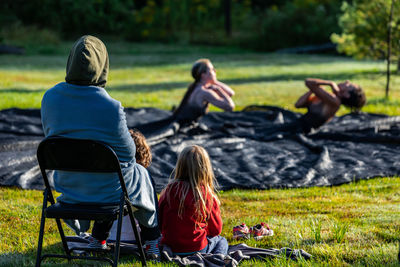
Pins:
x,y
216,245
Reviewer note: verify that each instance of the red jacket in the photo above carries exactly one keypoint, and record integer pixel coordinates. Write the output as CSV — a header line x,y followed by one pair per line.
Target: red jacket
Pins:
x,y
183,235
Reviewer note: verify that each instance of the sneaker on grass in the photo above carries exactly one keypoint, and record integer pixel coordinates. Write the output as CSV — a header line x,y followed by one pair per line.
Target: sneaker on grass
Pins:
x,y
261,230
241,232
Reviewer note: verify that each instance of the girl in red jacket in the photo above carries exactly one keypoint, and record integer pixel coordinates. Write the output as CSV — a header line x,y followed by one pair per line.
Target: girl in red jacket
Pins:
x,y
189,212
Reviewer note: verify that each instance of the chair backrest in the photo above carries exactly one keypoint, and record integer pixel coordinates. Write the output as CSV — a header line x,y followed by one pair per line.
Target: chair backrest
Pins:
x,y
77,155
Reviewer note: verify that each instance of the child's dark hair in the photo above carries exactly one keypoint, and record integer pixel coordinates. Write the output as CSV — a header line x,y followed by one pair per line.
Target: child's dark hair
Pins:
x,y
143,152
356,100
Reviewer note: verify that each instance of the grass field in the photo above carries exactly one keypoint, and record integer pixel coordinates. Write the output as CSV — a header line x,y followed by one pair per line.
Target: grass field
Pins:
x,y
354,224
158,75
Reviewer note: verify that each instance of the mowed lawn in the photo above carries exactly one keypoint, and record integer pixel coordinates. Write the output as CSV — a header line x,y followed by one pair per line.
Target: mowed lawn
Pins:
x,y
158,75
354,224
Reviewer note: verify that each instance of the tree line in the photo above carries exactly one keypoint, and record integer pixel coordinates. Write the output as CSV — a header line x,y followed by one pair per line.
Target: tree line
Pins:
x,y
360,28
255,24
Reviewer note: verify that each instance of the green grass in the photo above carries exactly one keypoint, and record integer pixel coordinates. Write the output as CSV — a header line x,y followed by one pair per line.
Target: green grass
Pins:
x,y
370,208
354,224
158,75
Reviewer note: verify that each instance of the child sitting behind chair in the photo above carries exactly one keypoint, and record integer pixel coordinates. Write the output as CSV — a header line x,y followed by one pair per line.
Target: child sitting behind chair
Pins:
x,y
143,157
143,152
189,210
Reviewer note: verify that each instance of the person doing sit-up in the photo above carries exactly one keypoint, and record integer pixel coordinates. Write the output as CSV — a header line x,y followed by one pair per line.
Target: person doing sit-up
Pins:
x,y
323,105
204,90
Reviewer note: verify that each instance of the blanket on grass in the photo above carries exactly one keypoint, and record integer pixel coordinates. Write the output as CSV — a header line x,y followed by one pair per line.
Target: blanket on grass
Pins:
x,y
236,253
248,149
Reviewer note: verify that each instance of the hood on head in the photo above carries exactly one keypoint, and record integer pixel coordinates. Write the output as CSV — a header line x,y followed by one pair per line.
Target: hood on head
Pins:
x,y
88,62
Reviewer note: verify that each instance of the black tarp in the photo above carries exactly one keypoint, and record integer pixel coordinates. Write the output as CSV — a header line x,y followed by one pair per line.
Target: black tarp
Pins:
x,y
248,149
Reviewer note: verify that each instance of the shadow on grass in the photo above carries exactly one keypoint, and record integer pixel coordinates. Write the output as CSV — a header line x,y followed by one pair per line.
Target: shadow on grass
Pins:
x,y
301,77
29,258
309,242
23,91
161,57
246,59
153,87
388,237
142,88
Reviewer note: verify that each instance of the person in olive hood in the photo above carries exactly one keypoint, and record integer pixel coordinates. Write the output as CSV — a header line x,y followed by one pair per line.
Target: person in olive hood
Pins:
x,y
81,108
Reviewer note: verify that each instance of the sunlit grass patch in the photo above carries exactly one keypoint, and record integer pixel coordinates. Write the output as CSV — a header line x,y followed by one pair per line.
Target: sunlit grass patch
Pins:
x,y
371,221
162,73
364,222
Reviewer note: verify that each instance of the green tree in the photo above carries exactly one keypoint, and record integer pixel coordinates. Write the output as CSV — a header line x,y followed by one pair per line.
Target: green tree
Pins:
x,y
371,30
364,25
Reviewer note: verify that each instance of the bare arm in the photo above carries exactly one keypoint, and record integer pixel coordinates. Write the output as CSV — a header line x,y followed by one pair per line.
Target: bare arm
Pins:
x,y
304,100
315,87
226,88
333,85
219,98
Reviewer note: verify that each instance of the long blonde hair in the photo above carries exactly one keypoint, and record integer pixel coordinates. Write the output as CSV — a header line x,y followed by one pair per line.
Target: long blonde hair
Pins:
x,y
194,172
198,68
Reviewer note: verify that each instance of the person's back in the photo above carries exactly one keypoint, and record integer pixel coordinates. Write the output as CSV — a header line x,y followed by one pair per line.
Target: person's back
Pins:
x,y
195,107
184,234
81,108
189,208
318,113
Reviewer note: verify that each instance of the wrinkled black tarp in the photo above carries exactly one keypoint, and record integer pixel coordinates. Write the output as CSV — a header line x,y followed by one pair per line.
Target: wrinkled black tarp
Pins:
x,y
247,148
236,254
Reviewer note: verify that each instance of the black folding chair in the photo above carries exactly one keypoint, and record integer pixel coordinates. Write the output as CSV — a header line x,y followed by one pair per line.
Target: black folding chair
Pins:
x,y
66,154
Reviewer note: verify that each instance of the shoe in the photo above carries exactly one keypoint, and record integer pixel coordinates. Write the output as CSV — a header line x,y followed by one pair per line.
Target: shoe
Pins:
x,y
241,232
95,243
152,250
85,235
261,230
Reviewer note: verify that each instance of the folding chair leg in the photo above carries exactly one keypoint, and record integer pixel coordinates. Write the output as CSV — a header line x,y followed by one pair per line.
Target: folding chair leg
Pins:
x,y
137,236
119,227
63,239
47,197
41,231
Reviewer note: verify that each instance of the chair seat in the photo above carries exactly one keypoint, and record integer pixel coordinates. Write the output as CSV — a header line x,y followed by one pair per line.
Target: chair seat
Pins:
x,y
83,211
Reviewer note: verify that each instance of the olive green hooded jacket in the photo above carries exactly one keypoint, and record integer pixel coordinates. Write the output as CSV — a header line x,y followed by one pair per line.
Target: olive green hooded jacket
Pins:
x,y
88,62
